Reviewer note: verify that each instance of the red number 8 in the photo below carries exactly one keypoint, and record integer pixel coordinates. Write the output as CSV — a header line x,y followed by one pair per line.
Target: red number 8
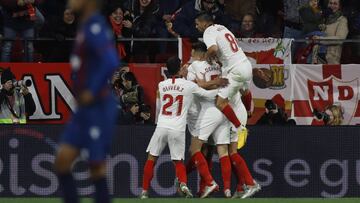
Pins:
x,y
232,41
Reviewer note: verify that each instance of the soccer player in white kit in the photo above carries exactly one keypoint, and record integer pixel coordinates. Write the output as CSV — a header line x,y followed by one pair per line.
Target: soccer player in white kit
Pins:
x,y
210,121
222,45
176,95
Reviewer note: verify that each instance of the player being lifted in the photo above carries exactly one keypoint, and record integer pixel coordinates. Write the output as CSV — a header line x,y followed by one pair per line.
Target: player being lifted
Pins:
x,y
176,96
93,61
221,44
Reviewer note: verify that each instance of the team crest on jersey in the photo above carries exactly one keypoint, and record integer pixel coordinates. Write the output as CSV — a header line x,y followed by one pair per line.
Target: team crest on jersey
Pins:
x,y
334,91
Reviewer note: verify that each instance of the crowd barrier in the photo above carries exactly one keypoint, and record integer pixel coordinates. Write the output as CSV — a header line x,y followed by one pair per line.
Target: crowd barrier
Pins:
x,y
286,161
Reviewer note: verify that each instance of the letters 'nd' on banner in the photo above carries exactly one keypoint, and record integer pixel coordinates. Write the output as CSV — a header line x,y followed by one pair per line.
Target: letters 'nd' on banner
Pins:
x,y
258,50
319,86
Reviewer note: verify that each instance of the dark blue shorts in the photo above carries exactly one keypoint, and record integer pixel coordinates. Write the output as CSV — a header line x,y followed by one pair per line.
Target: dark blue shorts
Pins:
x,y
91,128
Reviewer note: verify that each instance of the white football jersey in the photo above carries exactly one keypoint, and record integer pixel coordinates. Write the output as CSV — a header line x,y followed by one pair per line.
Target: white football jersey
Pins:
x,y
195,105
230,54
176,96
204,71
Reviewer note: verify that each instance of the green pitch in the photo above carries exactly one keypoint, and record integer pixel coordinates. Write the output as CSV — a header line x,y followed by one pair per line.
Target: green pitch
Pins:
x,y
177,200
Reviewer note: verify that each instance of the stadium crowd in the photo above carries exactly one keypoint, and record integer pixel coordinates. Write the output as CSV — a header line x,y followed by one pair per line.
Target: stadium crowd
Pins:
x,y
298,19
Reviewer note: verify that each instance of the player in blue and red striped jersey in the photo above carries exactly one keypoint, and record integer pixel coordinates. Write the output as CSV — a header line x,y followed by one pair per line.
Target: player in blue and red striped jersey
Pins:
x,y
93,61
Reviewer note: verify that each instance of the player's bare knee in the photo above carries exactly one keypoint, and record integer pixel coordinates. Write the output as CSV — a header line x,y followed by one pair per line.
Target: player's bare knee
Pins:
x,y
233,148
65,159
221,103
222,150
196,146
151,157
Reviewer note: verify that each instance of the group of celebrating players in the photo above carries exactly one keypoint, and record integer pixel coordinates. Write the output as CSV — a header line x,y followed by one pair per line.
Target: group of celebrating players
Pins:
x,y
209,99
212,100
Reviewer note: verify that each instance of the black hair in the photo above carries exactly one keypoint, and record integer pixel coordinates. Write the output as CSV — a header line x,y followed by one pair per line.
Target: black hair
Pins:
x,y
130,77
173,65
204,16
199,47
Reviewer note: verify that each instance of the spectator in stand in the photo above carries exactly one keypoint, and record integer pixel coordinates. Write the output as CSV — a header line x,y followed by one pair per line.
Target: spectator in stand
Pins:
x,y
165,15
336,28
19,19
59,28
313,25
270,19
248,28
354,29
184,20
237,9
292,21
144,25
275,113
121,23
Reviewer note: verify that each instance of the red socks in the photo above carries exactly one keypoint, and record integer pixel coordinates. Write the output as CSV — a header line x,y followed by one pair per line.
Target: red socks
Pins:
x,y
231,116
241,169
247,99
148,174
226,171
190,166
202,167
180,171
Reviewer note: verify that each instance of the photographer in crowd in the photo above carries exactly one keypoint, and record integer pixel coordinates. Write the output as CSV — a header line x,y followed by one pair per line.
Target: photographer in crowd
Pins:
x,y
332,115
132,109
275,113
16,103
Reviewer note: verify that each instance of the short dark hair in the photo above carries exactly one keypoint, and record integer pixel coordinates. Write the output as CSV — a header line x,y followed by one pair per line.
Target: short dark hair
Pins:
x,y
199,47
129,76
173,65
204,16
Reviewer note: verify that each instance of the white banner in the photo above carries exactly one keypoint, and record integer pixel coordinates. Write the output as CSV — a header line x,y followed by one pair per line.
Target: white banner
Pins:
x,y
267,50
321,86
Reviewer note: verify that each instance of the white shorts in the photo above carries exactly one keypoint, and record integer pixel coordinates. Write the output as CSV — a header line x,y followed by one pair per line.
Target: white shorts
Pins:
x,y
212,122
191,123
239,78
241,113
173,138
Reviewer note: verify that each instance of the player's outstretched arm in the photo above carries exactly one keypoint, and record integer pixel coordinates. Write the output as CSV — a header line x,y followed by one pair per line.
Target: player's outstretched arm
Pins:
x,y
212,84
198,91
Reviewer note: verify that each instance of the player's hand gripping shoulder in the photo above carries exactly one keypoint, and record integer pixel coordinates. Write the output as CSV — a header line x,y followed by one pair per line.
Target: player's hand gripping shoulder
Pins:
x,y
213,84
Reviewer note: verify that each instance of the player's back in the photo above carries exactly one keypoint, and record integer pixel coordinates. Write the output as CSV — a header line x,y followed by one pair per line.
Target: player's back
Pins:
x,y
176,96
230,53
94,57
204,71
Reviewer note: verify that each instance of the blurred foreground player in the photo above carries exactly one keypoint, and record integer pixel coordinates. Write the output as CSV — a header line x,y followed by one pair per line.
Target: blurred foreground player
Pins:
x,y
93,60
176,96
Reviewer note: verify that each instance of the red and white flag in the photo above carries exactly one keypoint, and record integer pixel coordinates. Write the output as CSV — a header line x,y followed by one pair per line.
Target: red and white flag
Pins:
x,y
319,86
